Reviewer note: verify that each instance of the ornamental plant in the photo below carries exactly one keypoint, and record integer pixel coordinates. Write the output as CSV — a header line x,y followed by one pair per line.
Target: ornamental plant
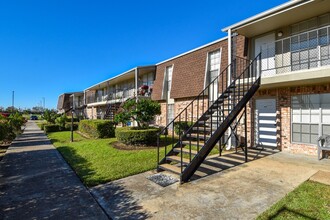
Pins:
x,y
142,111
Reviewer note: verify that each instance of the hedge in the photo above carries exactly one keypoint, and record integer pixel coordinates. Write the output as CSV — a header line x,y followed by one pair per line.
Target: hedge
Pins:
x,y
97,128
51,128
134,136
68,126
181,126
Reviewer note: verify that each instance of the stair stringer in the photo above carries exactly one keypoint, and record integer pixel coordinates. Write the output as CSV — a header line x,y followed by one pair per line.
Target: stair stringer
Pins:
x,y
191,168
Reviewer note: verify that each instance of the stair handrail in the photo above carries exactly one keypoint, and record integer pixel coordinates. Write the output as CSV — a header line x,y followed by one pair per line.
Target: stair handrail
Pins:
x,y
202,93
201,96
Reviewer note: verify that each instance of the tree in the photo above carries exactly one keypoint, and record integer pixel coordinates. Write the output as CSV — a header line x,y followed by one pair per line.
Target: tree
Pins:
x,y
50,116
142,111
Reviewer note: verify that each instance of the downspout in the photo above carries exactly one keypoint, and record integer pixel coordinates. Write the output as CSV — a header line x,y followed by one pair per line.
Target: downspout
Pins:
x,y
229,79
136,89
136,84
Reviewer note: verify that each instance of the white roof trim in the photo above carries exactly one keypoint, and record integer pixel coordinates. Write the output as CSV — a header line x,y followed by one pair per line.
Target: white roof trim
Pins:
x,y
266,13
193,50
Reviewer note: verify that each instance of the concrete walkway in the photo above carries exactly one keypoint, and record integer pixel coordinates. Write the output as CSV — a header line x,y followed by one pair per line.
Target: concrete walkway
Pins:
x,y
36,182
240,192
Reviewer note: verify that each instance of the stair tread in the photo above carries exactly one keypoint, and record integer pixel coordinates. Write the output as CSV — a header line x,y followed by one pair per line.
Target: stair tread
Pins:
x,y
170,168
185,150
193,143
178,159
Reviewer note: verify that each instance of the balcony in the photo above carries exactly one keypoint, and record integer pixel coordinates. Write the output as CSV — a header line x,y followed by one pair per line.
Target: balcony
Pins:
x,y
114,97
304,51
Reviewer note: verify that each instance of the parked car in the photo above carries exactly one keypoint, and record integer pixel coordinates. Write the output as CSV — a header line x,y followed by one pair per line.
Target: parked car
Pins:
x,y
34,117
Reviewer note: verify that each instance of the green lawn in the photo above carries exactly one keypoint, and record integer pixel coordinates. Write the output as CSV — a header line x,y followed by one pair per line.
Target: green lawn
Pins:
x,y
96,161
310,200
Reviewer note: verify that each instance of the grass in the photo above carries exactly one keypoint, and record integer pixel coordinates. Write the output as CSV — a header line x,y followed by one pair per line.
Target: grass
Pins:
x,y
310,200
96,161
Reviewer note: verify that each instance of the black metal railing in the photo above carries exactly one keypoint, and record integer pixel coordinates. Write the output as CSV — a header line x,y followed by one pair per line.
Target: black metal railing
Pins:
x,y
197,122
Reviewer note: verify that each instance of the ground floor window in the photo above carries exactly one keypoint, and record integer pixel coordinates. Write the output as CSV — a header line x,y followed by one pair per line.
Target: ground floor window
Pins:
x,y
170,113
310,117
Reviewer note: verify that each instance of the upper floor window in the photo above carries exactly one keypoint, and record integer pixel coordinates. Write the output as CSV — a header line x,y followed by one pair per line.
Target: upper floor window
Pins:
x,y
214,64
169,71
310,24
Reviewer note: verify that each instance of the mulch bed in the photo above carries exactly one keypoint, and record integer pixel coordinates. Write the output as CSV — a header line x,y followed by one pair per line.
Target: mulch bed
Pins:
x,y
122,146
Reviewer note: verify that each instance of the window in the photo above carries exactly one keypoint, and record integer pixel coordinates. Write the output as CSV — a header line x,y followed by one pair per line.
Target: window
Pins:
x,y
170,113
148,79
168,81
310,117
214,64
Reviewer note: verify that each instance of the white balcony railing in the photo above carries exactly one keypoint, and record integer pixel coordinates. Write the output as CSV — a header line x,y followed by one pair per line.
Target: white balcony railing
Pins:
x,y
306,50
115,95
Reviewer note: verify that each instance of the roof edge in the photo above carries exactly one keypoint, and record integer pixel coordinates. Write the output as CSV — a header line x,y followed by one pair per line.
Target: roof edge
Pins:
x,y
117,76
193,50
265,13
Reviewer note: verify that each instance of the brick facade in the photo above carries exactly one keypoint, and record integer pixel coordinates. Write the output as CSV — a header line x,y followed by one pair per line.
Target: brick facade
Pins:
x,y
189,70
283,111
188,78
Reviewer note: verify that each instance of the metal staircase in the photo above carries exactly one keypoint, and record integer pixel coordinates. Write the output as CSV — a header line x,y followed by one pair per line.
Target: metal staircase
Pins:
x,y
204,122
111,111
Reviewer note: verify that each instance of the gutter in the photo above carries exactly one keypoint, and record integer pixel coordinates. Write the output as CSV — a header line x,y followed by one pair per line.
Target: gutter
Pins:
x,y
267,13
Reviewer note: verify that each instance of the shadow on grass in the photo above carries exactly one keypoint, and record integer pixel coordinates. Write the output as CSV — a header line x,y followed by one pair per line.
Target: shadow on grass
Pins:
x,y
114,198
285,212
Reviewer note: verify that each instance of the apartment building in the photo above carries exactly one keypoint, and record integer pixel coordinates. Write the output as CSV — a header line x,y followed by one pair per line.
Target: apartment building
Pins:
x,y
103,99
71,101
292,106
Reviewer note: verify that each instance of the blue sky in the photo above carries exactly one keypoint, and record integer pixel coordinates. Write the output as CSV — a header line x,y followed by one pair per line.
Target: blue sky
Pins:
x,y
56,46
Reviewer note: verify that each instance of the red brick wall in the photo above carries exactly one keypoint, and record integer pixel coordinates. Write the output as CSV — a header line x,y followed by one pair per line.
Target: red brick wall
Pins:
x,y
189,70
283,110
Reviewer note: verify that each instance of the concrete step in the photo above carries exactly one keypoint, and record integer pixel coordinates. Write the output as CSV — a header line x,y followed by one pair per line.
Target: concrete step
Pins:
x,y
171,168
185,151
178,159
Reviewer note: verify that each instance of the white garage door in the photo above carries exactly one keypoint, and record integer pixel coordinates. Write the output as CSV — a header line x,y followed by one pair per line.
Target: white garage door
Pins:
x,y
265,119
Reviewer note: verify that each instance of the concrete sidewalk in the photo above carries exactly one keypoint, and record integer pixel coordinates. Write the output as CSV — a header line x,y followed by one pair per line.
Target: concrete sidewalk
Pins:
x,y
36,182
241,192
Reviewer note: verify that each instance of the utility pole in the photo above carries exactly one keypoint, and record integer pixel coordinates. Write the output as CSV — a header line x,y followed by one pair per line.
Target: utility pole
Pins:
x,y
43,99
13,101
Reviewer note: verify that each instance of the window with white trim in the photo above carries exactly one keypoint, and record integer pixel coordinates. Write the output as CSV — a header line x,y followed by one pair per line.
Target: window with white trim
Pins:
x,y
310,117
214,64
170,113
168,81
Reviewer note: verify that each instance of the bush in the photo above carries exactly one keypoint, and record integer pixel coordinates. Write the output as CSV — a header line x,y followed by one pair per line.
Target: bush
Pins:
x,y
61,120
181,127
42,125
68,119
135,136
52,128
68,126
142,111
97,128
6,132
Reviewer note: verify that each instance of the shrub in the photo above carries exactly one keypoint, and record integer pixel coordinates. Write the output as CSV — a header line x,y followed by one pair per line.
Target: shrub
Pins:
x,y
97,128
181,127
50,116
68,119
51,128
42,125
142,111
61,120
68,126
16,121
6,132
135,136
